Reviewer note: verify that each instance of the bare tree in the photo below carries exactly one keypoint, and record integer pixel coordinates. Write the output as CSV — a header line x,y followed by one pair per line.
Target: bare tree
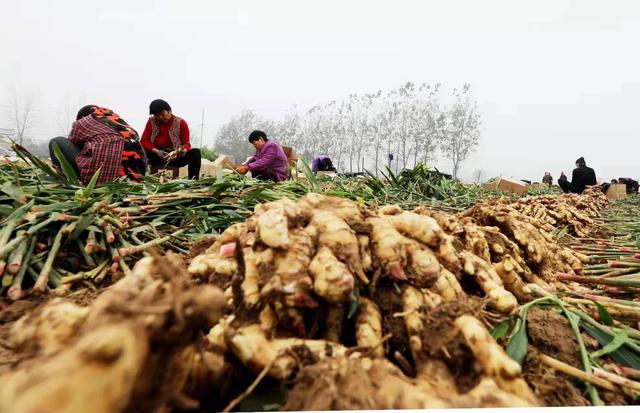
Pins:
x,y
65,115
287,130
478,174
232,137
408,122
22,116
462,132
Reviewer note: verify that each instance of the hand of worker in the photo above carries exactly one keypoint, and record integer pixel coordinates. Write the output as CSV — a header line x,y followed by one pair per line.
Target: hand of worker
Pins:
x,y
242,169
161,153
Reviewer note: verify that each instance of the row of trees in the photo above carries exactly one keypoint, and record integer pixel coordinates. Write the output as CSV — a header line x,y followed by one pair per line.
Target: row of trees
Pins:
x,y
411,123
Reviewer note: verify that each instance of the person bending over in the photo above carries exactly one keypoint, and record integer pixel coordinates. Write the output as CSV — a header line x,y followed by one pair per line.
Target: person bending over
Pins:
x,y
166,133
99,138
322,163
269,163
582,176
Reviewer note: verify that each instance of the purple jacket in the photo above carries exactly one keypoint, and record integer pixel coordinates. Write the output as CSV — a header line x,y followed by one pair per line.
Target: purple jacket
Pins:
x,y
271,156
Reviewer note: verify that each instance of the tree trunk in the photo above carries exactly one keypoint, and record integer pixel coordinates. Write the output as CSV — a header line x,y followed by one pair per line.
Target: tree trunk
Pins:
x,y
388,152
377,152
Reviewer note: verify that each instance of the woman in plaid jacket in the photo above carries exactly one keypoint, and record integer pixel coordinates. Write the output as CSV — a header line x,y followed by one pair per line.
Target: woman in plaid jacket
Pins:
x,y
100,138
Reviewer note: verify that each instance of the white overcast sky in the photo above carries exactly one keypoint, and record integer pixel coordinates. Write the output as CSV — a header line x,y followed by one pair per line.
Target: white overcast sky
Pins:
x,y
555,79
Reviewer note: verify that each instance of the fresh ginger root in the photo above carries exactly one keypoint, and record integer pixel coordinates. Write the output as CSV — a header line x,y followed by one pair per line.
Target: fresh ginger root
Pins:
x,y
369,327
332,279
107,363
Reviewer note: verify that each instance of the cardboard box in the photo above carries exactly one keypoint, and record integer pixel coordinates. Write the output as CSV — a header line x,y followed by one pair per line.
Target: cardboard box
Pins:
x,y
207,168
10,159
507,185
616,191
223,161
291,154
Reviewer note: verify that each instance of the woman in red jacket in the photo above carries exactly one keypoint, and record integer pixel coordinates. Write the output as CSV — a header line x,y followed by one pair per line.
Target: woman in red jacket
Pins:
x,y
165,133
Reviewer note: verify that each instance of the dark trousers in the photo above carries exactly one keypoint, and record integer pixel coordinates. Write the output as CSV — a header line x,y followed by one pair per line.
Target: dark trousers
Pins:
x,y
265,175
69,150
192,158
567,186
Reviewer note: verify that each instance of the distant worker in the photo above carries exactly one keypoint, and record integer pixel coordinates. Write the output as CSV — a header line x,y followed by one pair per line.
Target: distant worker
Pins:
x,y
322,163
269,163
99,138
582,177
547,179
632,185
165,133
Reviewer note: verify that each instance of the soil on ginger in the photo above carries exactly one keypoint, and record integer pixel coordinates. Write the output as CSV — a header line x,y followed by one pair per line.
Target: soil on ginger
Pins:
x,y
10,312
551,334
200,246
441,340
8,315
390,302
340,384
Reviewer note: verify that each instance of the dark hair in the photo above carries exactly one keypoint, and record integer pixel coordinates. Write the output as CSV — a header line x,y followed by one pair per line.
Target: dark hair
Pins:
x,y
158,106
85,111
256,135
326,165
580,161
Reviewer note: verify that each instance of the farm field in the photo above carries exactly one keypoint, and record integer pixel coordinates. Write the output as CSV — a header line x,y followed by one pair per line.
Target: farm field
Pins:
x,y
399,291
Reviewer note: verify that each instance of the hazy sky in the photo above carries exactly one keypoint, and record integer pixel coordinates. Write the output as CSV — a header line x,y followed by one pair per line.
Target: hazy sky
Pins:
x,y
555,79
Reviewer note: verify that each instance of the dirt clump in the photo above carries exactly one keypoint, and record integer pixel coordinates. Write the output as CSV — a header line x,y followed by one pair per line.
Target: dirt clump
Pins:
x,y
366,384
200,246
551,334
552,387
16,310
441,340
439,330
390,303
354,384
615,399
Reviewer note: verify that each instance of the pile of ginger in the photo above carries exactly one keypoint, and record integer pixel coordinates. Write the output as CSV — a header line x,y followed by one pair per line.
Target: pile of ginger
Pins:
x,y
322,291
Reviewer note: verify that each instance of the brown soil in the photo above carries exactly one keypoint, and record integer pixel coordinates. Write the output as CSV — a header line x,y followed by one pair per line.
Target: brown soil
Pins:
x,y
615,399
350,384
83,298
390,301
551,333
11,313
16,310
440,339
221,281
550,386
317,388
198,247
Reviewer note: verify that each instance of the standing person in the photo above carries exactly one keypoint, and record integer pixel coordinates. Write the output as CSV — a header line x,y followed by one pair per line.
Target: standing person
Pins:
x,y
582,176
165,133
269,163
99,138
322,163
547,179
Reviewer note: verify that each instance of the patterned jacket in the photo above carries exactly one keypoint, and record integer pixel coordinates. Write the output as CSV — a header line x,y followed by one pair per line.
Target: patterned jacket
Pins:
x,y
102,147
